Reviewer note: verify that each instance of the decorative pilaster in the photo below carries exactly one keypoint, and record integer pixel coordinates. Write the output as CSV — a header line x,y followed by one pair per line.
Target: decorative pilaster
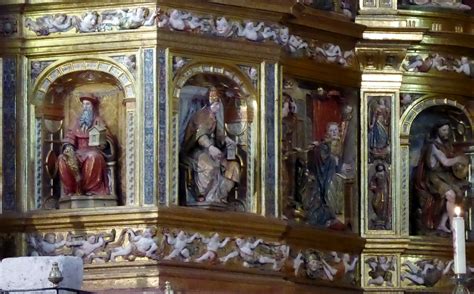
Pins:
x,y
270,134
162,126
130,160
38,200
149,160
8,102
380,164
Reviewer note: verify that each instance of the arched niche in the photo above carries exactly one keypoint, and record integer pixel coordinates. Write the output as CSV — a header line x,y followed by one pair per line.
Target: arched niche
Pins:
x,y
55,104
190,88
417,126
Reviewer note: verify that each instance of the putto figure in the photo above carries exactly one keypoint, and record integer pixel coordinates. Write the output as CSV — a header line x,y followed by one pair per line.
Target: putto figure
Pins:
x,y
82,167
206,151
440,179
213,245
426,272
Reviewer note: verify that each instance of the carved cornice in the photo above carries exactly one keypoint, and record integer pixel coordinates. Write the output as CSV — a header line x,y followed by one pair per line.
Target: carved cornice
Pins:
x,y
442,83
449,24
328,22
329,73
243,224
378,56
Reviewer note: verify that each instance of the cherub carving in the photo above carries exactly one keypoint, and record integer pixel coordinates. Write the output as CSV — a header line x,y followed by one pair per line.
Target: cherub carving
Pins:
x,y
296,43
47,245
253,74
213,244
283,36
426,272
250,31
439,62
162,19
48,24
337,268
178,62
381,268
318,267
131,62
277,254
418,64
193,23
333,53
180,245
129,19
141,244
223,27
245,249
88,248
178,20
88,23
465,67
268,33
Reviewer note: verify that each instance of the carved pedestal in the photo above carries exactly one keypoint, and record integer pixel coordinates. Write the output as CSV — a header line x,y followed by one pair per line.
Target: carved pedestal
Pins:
x,y
210,205
83,201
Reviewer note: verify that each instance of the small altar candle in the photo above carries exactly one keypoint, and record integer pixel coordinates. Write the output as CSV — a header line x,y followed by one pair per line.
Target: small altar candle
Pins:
x,y
459,242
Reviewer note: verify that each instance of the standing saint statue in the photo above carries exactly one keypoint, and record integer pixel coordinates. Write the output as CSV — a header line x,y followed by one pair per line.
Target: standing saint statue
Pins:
x,y
210,154
379,133
379,185
82,168
440,179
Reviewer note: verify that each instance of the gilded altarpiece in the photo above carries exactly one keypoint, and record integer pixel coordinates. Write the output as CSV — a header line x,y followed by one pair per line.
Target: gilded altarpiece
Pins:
x,y
316,179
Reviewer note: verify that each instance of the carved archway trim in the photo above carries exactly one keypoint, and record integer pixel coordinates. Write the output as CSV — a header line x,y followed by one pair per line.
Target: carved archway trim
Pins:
x,y
64,67
228,71
423,103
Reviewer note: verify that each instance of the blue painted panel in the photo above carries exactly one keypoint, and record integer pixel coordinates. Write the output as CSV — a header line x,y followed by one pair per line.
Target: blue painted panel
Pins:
x,y
149,105
9,133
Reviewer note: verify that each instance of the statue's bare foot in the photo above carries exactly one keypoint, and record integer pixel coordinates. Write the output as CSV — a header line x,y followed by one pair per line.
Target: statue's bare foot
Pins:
x,y
443,228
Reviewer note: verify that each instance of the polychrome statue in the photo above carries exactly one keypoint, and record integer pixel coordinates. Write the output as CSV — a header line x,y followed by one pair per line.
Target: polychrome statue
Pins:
x,y
207,152
440,179
82,167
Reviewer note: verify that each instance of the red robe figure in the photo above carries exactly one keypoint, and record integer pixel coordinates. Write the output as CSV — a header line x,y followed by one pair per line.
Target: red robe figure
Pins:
x,y
82,168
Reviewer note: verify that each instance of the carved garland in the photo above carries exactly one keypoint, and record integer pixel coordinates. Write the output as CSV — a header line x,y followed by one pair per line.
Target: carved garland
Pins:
x,y
439,62
186,247
179,20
